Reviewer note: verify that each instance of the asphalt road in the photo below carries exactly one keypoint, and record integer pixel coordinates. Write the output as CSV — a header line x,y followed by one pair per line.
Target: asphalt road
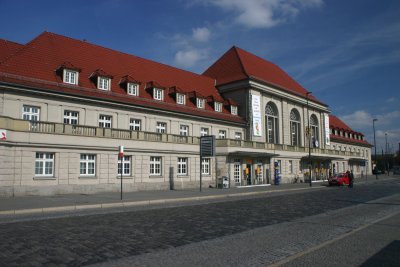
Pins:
x,y
249,232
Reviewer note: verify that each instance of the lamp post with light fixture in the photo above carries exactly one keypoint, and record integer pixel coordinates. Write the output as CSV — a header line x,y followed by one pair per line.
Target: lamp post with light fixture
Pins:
x,y
309,140
376,162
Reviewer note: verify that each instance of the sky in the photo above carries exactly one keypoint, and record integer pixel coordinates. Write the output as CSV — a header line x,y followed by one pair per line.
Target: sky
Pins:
x,y
347,53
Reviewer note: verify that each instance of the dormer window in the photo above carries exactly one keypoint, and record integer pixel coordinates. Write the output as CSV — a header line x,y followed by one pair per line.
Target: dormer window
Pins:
x,y
180,99
69,73
158,94
200,102
102,79
133,89
218,106
234,110
70,76
103,83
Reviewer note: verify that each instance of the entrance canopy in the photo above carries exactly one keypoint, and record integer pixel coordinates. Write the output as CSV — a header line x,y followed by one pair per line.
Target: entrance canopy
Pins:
x,y
317,157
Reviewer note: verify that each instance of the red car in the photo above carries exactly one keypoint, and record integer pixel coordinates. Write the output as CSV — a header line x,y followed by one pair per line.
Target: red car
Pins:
x,y
339,179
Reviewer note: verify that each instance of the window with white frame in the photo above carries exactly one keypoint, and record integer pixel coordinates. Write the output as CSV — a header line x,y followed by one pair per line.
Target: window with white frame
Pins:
x,y
200,102
180,99
105,121
87,165
133,89
234,110
238,135
204,131
134,124
30,113
182,166
155,165
222,134
71,117
70,76
218,106
205,166
295,127
184,130
161,127
44,164
237,171
158,94
124,165
271,117
103,83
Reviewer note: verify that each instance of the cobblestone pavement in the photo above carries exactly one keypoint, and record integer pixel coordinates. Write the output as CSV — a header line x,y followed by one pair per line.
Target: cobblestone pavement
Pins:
x,y
83,240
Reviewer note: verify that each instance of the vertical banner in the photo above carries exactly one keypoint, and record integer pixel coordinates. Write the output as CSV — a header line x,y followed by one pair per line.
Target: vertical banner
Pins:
x,y
256,111
327,131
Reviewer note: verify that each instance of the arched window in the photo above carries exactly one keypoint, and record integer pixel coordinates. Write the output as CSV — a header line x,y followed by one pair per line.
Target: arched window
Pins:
x,y
271,116
314,130
295,127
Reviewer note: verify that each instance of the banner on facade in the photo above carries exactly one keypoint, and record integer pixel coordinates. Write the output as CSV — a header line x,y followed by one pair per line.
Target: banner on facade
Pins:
x,y
256,112
327,131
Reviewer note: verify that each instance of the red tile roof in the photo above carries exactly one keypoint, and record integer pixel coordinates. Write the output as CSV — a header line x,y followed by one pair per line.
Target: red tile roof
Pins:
x,y
336,123
7,48
37,62
237,64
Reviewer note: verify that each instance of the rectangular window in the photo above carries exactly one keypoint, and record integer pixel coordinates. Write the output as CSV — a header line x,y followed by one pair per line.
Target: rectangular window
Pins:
x,y
105,121
70,76
161,127
44,164
200,102
87,165
237,170
30,113
133,89
71,117
180,99
134,124
125,164
204,131
158,94
218,106
234,110
155,165
182,166
222,134
205,166
238,135
184,130
103,83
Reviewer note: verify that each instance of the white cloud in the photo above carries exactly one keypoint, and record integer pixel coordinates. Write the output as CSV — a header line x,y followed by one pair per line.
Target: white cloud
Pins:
x,y
201,34
189,57
262,13
358,119
392,100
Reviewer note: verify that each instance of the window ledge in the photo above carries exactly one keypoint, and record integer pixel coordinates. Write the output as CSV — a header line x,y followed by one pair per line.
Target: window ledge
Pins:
x,y
44,178
88,177
124,177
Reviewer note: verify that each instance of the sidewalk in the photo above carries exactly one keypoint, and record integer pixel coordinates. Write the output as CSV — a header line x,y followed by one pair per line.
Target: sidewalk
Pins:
x,y
79,202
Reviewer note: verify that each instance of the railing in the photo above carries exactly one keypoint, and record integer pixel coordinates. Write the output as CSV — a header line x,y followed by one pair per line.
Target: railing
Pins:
x,y
68,129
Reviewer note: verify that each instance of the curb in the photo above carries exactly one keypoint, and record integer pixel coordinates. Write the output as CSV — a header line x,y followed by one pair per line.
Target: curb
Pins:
x,y
154,202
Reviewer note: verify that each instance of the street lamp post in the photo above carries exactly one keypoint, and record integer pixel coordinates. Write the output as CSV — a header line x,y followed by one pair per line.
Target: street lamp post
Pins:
x,y
376,162
386,154
309,140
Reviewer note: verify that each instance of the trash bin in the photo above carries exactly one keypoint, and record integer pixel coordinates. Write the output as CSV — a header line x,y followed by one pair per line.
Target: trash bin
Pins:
x,y
225,182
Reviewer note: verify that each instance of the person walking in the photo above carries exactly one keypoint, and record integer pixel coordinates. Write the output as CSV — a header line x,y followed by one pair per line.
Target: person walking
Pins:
x,y
351,178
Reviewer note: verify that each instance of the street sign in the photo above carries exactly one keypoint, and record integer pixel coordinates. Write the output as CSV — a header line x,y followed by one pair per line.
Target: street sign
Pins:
x,y
207,146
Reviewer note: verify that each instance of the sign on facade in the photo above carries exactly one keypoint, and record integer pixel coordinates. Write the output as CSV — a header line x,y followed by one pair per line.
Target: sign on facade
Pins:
x,y
256,111
3,134
327,132
207,146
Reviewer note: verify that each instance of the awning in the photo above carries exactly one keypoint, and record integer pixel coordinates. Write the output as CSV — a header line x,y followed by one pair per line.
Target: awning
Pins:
x,y
251,154
357,159
325,157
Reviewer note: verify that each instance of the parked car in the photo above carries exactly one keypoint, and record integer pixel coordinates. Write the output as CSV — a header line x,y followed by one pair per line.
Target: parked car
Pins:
x,y
339,179
376,171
